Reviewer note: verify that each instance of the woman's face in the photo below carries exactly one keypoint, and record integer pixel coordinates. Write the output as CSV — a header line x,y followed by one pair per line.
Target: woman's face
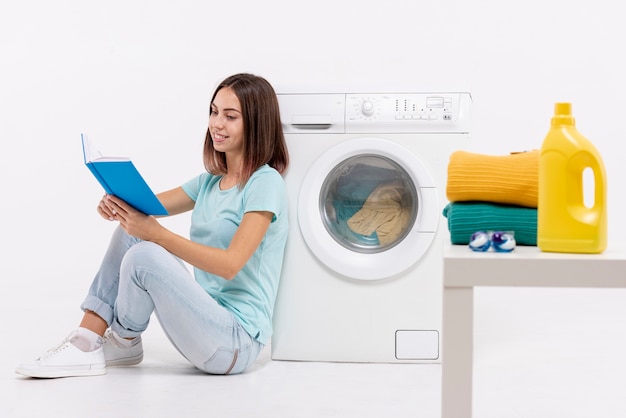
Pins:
x,y
226,122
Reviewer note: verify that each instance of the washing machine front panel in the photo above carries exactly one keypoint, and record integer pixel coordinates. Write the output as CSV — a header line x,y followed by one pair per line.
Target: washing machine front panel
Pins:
x,y
368,209
321,314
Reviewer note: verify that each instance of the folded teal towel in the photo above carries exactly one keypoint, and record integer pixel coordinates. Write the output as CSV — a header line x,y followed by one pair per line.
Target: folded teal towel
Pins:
x,y
465,218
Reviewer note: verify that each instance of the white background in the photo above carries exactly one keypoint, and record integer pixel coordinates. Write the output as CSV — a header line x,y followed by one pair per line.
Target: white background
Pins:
x,y
137,76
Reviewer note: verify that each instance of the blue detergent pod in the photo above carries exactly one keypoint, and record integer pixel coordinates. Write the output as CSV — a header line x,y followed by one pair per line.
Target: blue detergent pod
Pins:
x,y
503,242
479,241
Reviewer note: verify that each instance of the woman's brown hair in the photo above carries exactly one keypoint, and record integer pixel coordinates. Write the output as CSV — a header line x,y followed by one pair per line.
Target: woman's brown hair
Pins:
x,y
264,141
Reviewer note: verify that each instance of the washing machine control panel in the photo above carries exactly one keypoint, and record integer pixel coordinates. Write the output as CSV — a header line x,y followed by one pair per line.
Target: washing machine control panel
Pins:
x,y
406,111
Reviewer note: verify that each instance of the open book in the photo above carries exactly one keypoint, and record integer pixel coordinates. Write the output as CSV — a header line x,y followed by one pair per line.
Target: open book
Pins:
x,y
119,177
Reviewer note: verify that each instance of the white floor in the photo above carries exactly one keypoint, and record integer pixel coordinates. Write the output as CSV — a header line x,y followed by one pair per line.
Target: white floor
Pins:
x,y
538,353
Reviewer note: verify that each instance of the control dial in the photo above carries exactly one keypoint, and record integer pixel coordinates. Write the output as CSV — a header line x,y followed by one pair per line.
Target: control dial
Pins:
x,y
367,108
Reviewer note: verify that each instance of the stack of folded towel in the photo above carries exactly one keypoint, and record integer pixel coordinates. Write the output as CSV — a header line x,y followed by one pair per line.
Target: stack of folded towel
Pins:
x,y
493,193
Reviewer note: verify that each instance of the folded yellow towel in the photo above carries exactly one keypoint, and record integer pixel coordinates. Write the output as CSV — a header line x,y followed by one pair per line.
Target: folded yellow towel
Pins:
x,y
508,179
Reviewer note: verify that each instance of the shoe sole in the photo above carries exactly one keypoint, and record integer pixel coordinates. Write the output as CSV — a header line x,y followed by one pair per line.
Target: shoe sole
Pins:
x,y
126,361
55,374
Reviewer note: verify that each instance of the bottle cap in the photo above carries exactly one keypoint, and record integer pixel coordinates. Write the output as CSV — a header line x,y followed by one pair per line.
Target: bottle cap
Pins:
x,y
563,114
563,109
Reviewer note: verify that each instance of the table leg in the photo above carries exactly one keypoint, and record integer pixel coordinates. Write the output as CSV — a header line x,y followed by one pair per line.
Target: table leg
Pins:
x,y
457,352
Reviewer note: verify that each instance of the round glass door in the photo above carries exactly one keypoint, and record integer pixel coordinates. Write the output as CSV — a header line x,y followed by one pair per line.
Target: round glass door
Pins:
x,y
368,203
368,209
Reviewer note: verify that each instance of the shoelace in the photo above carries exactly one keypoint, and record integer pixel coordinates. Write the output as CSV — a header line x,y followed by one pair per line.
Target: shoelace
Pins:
x,y
55,350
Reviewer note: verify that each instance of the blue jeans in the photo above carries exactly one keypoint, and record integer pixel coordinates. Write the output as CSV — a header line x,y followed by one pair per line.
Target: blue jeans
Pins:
x,y
139,277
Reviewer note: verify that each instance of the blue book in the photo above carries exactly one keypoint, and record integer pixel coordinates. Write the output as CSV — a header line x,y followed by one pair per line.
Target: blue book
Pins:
x,y
119,177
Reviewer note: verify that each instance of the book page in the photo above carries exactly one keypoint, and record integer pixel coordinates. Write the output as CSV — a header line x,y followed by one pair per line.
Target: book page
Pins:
x,y
91,153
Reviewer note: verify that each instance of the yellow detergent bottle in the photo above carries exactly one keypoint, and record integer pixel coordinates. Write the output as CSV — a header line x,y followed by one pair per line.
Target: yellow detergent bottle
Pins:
x,y
566,223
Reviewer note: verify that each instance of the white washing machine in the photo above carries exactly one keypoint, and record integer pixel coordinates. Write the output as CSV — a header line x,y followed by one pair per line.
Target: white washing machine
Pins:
x,y
362,279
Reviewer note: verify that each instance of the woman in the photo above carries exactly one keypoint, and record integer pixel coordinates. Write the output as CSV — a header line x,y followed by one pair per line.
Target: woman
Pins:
x,y
221,320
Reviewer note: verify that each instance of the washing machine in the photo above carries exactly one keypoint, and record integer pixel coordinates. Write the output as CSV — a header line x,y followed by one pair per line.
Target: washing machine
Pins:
x,y
362,279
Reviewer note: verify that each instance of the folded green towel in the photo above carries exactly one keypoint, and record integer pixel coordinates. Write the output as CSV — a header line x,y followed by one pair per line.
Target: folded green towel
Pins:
x,y
465,218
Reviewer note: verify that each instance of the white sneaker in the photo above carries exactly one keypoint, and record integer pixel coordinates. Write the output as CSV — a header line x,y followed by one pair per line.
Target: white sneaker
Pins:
x,y
66,360
116,354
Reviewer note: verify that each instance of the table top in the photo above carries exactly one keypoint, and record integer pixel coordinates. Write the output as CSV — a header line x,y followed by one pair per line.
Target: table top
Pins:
x,y
529,266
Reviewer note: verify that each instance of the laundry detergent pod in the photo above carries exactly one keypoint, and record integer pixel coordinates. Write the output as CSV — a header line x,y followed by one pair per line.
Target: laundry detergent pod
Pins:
x,y
479,241
503,241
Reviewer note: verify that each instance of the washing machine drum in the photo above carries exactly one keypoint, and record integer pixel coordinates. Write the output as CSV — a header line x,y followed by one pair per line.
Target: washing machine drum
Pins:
x,y
368,209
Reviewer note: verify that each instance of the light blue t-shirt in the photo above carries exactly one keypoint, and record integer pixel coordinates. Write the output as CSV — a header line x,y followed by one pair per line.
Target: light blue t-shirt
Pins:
x,y
251,294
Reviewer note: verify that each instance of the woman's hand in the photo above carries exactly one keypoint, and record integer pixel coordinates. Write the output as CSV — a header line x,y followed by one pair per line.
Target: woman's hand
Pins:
x,y
135,223
104,210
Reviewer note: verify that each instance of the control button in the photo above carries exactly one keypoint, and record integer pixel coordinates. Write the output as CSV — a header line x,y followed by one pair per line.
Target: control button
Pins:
x,y
367,108
447,116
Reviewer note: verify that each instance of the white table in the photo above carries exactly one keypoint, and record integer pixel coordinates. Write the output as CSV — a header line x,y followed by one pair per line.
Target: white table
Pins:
x,y
526,266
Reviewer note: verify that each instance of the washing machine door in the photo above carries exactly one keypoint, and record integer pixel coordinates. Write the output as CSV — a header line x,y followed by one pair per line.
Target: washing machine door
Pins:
x,y
368,209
